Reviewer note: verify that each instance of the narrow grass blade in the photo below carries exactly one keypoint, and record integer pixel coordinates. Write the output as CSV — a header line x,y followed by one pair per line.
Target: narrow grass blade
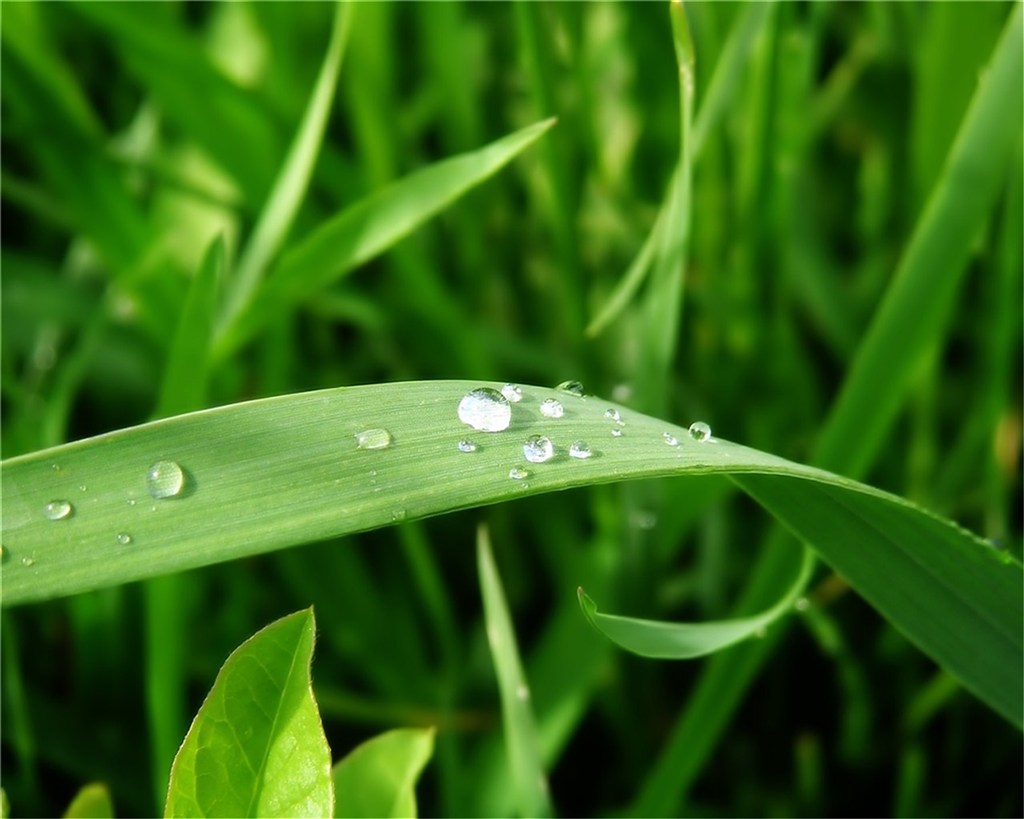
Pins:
x,y
290,186
281,471
521,740
684,641
378,779
256,747
91,802
370,226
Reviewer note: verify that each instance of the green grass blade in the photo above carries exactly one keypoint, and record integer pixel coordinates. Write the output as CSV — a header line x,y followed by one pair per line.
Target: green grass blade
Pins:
x,y
918,302
370,226
290,186
91,802
521,740
684,641
378,779
256,747
281,471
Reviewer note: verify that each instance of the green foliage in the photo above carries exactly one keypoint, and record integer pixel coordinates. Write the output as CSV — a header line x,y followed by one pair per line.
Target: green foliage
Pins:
x,y
91,802
816,246
378,778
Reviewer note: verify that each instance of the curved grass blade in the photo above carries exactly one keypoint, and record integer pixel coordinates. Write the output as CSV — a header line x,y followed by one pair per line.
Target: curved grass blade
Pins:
x,y
684,641
378,779
282,471
370,226
256,747
524,757
91,802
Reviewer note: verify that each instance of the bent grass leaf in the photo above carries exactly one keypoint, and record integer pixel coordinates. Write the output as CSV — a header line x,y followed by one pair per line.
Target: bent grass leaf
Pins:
x,y
685,641
278,472
91,802
378,778
257,747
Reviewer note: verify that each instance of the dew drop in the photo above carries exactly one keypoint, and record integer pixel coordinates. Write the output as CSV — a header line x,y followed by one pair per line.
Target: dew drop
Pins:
x,y
580,450
398,515
83,488
165,479
466,445
802,604
616,432
571,387
28,561
374,438
552,408
538,449
131,501
124,538
613,414
700,431
517,473
55,467
512,392
57,510
486,410
670,439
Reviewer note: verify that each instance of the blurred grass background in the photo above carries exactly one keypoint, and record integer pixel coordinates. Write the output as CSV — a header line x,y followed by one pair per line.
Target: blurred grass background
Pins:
x,y
133,135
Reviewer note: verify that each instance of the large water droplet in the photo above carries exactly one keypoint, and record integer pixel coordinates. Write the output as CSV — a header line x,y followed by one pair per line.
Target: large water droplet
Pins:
x,y
538,449
165,479
580,450
486,410
466,445
571,387
517,473
700,431
57,510
552,408
512,392
374,438
124,538
670,439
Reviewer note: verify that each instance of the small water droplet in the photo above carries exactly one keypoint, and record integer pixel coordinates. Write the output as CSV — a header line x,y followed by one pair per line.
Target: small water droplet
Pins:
x,y
670,439
522,692
466,445
57,510
124,538
552,408
373,438
398,515
613,414
131,501
571,387
512,392
802,604
580,450
28,561
83,488
55,467
486,410
517,473
700,431
616,432
165,479
538,449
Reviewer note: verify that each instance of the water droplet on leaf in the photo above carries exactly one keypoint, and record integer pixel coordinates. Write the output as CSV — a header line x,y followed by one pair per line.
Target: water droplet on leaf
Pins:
x,y
613,414
538,449
580,450
28,561
700,431
486,410
517,473
57,510
165,479
616,432
670,439
552,408
512,392
375,438
571,387
467,446
124,538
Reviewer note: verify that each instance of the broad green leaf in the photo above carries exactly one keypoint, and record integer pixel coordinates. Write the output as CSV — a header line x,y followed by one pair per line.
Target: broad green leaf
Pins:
x,y
524,757
256,747
91,802
684,641
378,779
370,226
281,471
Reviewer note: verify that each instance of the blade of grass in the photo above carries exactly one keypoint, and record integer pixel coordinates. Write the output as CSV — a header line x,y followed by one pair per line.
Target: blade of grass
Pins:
x,y
290,186
378,779
521,740
369,227
276,472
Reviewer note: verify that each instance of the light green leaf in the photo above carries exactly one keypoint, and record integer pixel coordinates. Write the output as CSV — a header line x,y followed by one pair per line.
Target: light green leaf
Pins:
x,y
378,779
528,776
370,226
256,747
281,471
91,802
684,641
